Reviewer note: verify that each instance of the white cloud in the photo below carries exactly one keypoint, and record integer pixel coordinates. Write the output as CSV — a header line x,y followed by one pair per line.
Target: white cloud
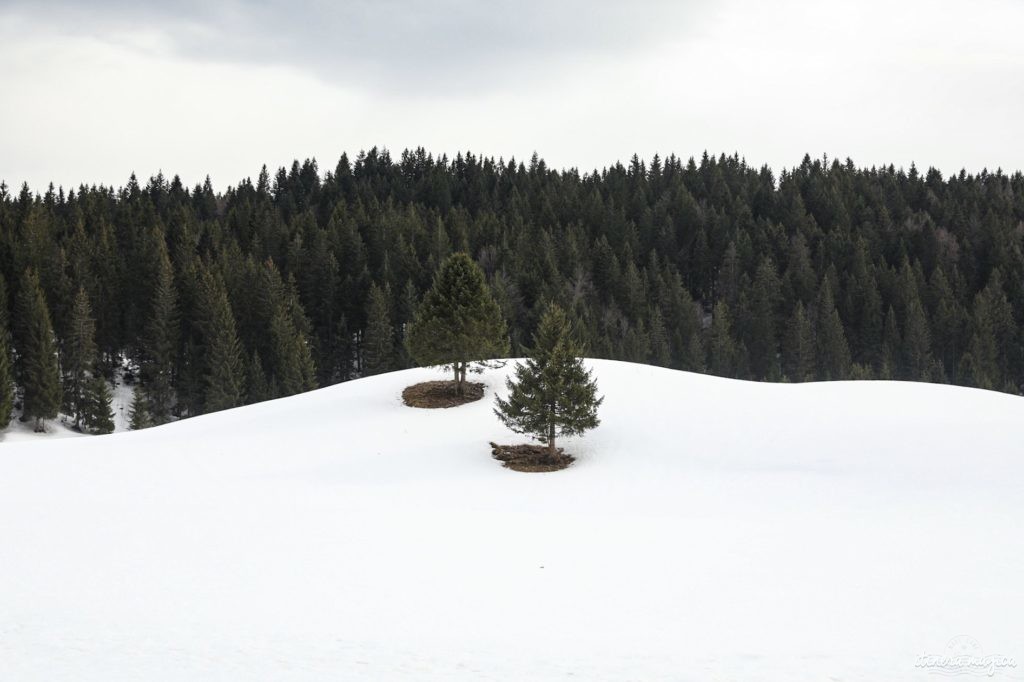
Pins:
x,y
932,82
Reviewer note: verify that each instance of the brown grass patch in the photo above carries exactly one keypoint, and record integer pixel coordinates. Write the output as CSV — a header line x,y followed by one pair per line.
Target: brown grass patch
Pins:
x,y
436,394
530,457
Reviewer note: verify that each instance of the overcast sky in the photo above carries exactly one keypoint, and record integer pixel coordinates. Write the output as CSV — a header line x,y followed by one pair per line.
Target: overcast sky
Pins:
x,y
90,92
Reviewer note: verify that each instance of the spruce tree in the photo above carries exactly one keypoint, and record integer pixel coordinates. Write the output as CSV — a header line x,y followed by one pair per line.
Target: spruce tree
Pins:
x,y
552,394
833,353
763,345
37,353
7,386
6,379
800,355
722,351
379,339
160,341
138,413
660,351
224,372
97,416
459,323
79,358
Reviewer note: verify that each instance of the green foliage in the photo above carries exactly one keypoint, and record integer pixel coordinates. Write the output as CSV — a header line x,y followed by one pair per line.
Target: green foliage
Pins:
x,y
800,351
552,394
79,358
379,340
224,373
6,380
138,413
459,321
37,353
97,416
923,271
160,341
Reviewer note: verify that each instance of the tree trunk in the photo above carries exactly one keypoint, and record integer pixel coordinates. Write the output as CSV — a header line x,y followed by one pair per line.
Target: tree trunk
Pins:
x,y
460,376
39,425
551,441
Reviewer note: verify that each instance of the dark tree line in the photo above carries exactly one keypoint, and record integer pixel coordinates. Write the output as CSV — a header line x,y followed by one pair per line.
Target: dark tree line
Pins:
x,y
303,278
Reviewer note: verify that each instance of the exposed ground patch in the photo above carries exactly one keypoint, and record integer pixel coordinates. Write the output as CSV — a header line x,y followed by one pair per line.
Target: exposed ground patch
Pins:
x,y
438,394
530,458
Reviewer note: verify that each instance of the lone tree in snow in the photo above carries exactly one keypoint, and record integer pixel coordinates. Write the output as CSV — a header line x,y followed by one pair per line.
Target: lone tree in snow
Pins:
x,y
458,323
553,394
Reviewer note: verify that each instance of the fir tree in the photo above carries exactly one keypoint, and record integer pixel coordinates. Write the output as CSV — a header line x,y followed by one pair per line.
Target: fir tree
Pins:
x,y
257,387
722,351
660,351
224,373
79,358
160,341
379,339
833,353
6,379
552,394
800,352
97,416
37,353
459,322
138,413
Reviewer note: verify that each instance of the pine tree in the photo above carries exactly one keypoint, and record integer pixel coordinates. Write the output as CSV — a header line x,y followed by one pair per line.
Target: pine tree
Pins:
x,y
459,322
6,378
257,386
889,366
379,339
982,365
97,416
917,341
224,373
660,351
6,366
37,353
160,341
722,351
763,340
138,413
552,394
79,358
800,353
833,353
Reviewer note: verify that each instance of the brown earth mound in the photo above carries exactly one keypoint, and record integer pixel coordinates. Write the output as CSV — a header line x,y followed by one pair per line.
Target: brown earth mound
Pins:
x,y
434,394
530,457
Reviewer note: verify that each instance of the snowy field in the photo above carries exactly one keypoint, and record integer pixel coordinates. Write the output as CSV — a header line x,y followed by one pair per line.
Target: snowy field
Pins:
x,y
710,530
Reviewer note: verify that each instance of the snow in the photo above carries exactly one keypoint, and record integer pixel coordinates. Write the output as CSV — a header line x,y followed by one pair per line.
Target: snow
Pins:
x,y
710,530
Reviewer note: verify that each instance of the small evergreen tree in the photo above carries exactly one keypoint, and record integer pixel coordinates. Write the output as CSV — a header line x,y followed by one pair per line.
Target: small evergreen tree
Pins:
x,y
553,394
138,413
37,353
459,322
97,416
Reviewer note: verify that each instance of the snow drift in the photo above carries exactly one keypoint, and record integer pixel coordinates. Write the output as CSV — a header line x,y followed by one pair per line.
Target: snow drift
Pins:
x,y
710,529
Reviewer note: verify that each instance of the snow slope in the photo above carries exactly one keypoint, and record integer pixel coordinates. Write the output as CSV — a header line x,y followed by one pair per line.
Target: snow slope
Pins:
x,y
710,530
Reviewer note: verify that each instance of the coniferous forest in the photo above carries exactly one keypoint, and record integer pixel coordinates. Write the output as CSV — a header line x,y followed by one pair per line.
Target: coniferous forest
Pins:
x,y
304,278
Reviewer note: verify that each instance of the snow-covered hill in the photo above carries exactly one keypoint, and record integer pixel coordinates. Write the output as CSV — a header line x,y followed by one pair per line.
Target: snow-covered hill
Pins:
x,y
710,530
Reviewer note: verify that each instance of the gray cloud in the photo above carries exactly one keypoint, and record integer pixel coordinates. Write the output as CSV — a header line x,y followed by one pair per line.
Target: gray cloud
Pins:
x,y
410,45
